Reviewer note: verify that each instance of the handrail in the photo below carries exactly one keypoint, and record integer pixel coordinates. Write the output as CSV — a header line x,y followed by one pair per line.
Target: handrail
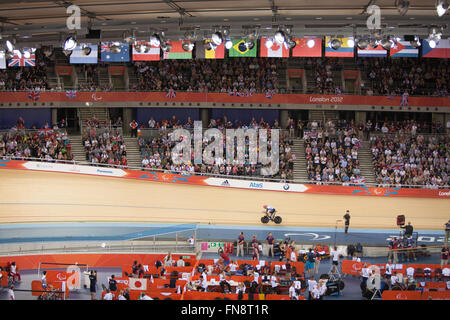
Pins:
x,y
252,178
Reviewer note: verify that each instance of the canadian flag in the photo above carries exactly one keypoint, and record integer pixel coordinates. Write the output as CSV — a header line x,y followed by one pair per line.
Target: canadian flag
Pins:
x,y
276,51
138,284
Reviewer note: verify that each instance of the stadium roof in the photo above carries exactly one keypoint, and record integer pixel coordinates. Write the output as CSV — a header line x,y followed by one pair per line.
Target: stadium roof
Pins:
x,y
44,22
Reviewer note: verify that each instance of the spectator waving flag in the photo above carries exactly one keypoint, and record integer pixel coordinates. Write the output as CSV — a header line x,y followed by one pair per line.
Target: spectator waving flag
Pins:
x,y
239,49
34,95
270,93
108,54
22,61
171,93
404,49
71,94
276,51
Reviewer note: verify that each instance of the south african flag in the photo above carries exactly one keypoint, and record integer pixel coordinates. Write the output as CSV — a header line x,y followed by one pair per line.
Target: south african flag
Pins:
x,y
240,50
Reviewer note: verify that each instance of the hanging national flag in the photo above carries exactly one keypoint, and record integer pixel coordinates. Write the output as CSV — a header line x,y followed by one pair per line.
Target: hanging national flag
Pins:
x,y
345,51
71,94
372,52
171,93
2,60
23,62
78,54
239,49
302,49
177,51
34,95
231,92
138,284
153,53
442,49
107,55
276,51
404,49
202,53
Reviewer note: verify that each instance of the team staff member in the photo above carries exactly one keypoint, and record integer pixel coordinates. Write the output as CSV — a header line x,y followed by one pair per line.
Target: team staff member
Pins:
x,y
134,127
240,244
270,240
347,220
447,232
93,283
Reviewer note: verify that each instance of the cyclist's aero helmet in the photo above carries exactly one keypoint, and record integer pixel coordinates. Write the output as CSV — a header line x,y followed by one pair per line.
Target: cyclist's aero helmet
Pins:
x,y
265,206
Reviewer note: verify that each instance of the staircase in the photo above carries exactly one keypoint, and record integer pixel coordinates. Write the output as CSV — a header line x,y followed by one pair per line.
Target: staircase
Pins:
x,y
300,173
133,79
317,115
102,114
103,77
133,153
365,163
78,151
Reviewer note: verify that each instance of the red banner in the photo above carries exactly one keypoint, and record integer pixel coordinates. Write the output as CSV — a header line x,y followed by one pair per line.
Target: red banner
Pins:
x,y
56,97
64,70
295,73
117,70
351,74
401,295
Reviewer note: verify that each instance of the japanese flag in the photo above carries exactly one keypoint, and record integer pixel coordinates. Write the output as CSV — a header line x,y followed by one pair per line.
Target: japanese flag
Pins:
x,y
138,284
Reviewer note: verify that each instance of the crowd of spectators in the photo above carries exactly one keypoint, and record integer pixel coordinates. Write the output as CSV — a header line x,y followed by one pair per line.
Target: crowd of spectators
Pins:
x,y
397,76
106,147
411,160
48,145
331,153
323,69
156,150
244,75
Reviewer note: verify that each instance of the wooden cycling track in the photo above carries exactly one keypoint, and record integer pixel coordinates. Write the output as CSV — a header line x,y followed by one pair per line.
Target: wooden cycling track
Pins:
x,y
33,197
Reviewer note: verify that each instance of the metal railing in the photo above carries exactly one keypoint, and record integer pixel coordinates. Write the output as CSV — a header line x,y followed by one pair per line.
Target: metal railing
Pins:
x,y
210,175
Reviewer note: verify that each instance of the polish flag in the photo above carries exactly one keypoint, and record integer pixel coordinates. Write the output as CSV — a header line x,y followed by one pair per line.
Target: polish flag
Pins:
x,y
138,284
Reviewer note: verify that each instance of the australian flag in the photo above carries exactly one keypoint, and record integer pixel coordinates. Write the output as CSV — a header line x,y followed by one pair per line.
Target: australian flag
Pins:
x,y
171,93
107,54
71,94
34,95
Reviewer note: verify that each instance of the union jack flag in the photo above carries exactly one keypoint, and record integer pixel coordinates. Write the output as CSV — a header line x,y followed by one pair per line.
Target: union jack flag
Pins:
x,y
34,95
249,93
404,101
171,93
105,47
270,93
23,62
71,94
231,93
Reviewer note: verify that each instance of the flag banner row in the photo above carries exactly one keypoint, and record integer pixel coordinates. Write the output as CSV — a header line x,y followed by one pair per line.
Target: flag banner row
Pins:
x,y
87,53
